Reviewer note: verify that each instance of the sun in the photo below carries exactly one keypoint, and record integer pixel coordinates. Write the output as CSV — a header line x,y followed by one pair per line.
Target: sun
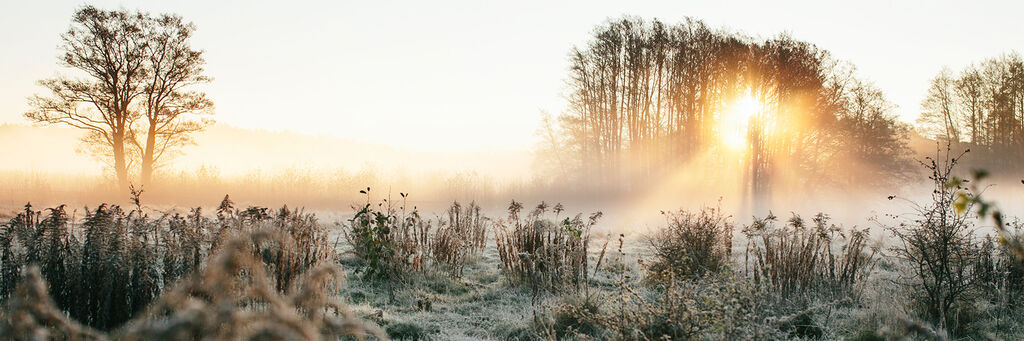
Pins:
x,y
735,120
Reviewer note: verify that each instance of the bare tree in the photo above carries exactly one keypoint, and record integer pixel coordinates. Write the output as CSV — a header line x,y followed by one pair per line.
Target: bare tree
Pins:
x,y
170,110
551,155
108,47
939,116
868,117
970,95
985,103
138,73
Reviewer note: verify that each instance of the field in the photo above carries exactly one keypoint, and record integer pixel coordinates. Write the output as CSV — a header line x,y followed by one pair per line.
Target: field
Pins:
x,y
590,171
525,273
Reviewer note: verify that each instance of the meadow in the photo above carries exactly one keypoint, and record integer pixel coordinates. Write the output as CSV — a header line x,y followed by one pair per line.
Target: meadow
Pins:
x,y
697,182
531,272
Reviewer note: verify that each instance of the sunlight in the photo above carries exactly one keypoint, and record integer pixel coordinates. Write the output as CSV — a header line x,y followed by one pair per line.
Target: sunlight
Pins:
x,y
735,119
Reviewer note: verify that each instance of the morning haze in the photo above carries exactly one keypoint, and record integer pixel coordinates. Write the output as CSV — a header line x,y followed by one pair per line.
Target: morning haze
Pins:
x,y
526,170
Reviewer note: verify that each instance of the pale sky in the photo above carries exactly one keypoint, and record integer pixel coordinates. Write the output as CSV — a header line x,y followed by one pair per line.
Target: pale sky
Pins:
x,y
474,75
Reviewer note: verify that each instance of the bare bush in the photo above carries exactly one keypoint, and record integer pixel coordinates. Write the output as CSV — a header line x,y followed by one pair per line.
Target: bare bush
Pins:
x,y
692,244
938,245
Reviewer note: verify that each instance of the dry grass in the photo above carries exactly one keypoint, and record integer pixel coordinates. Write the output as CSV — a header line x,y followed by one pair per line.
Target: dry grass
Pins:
x,y
457,240
548,254
31,314
796,257
232,298
692,244
113,264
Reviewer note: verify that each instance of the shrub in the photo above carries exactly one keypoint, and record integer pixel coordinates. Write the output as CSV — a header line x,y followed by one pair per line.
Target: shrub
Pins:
x,y
795,257
939,248
692,244
390,242
463,236
575,316
548,255
407,331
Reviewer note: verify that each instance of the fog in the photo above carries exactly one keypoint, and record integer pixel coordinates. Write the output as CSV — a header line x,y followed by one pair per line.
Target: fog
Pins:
x,y
325,174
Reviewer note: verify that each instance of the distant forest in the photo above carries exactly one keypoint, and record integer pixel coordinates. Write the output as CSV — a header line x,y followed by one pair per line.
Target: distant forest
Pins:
x,y
648,98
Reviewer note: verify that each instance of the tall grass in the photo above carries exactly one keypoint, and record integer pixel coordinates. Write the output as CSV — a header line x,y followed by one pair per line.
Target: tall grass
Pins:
x,y
799,257
457,240
110,265
232,298
548,254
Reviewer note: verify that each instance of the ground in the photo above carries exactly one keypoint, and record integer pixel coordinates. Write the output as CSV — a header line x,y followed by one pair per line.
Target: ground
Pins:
x,y
482,305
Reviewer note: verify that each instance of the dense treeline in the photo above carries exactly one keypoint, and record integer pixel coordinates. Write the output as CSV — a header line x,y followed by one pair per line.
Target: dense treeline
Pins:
x,y
982,106
649,97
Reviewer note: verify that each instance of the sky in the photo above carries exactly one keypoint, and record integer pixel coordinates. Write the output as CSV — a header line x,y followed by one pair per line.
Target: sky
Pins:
x,y
473,76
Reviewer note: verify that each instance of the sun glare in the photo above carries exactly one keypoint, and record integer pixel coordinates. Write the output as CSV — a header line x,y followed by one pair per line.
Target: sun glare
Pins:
x,y
735,119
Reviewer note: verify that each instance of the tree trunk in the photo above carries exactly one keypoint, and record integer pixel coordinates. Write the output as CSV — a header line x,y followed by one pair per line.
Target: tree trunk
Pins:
x,y
147,156
120,165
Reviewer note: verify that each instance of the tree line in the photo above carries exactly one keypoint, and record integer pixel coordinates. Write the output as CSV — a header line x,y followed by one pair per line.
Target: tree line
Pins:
x,y
982,106
132,89
647,97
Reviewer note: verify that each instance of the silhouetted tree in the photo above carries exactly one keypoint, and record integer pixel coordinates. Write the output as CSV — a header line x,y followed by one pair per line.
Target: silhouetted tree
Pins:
x,y
939,109
646,97
138,67
982,106
881,152
108,46
170,108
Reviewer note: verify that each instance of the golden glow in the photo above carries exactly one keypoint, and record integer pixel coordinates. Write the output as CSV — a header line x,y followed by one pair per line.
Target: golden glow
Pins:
x,y
734,122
